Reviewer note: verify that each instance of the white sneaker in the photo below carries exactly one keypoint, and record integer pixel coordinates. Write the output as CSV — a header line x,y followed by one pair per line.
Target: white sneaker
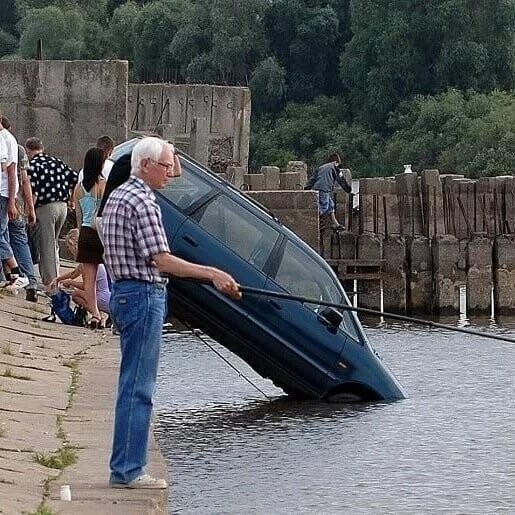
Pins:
x,y
143,482
16,285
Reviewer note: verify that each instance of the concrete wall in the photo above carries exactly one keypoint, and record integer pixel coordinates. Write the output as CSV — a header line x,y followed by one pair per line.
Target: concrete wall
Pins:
x,y
297,210
222,114
68,104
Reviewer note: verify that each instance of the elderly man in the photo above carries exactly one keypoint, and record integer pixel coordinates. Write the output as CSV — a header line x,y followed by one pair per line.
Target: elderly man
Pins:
x,y
136,254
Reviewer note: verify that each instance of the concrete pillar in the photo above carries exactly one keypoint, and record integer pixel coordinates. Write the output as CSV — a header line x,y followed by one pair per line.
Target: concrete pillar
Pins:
x,y
253,181
420,280
271,174
410,207
369,205
369,247
343,210
199,140
446,255
479,276
394,275
433,203
299,167
235,175
290,181
166,131
504,275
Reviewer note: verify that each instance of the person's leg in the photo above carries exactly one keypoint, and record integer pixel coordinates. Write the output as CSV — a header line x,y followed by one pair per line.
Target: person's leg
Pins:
x,y
20,247
89,275
138,309
6,253
51,218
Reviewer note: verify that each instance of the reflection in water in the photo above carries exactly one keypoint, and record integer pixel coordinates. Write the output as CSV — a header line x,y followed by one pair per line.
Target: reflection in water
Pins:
x,y
449,448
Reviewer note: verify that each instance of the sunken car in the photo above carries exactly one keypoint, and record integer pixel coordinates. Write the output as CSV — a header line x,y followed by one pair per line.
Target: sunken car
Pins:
x,y
308,350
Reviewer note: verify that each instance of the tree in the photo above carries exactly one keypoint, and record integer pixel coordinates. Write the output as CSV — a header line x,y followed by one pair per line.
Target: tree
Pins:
x,y
62,33
8,43
122,23
267,83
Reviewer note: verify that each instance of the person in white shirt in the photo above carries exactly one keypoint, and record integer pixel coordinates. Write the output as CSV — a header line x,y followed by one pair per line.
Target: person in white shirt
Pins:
x,y
106,144
8,211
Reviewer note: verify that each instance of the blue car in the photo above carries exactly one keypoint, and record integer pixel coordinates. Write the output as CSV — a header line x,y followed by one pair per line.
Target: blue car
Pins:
x,y
308,350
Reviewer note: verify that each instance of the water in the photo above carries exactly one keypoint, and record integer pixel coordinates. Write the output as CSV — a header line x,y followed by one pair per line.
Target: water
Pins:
x,y
449,448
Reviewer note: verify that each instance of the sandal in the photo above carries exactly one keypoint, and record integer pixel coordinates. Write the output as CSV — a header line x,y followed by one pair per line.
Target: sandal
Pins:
x,y
95,323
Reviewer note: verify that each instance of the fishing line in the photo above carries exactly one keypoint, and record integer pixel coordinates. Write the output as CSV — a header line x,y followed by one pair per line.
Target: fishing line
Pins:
x,y
198,334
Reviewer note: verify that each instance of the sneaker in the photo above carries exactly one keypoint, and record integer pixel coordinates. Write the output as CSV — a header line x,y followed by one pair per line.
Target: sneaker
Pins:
x,y
143,482
20,282
16,285
31,295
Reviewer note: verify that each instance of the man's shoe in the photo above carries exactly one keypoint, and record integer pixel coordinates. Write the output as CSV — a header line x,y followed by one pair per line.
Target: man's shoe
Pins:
x,y
20,282
31,295
16,285
143,482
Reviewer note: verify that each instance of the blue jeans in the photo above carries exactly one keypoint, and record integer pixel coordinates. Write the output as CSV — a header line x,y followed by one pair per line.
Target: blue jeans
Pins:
x,y
20,247
325,202
5,248
138,309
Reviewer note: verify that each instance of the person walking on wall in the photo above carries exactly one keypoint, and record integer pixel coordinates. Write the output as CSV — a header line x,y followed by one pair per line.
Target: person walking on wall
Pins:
x,y
86,198
8,211
136,253
52,182
324,180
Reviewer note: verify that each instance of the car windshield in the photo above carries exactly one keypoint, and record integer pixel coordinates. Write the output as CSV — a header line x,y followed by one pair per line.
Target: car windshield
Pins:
x,y
300,275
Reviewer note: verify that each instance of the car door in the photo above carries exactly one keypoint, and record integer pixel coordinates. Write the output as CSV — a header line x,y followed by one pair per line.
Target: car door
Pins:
x,y
312,345
224,234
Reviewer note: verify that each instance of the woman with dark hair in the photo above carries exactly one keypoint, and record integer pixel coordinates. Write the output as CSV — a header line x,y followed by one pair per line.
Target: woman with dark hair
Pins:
x,y
87,197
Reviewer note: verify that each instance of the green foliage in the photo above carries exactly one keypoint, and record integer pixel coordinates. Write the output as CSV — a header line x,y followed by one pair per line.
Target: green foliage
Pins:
x,y
58,460
62,33
268,84
468,133
8,43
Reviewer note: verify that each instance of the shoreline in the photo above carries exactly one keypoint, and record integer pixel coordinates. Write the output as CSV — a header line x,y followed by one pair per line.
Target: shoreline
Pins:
x,y
57,394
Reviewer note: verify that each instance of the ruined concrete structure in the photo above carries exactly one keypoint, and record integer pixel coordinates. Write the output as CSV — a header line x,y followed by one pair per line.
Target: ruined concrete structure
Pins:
x,y
210,123
436,235
69,104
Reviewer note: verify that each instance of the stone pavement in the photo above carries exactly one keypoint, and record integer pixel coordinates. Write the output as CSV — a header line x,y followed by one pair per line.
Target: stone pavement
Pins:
x,y
57,390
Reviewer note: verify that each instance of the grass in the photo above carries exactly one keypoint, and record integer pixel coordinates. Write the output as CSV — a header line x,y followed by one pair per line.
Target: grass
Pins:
x,y
9,373
58,460
43,510
72,389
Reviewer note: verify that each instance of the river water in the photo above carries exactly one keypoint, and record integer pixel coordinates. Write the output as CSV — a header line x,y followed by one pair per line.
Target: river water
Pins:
x,y
449,448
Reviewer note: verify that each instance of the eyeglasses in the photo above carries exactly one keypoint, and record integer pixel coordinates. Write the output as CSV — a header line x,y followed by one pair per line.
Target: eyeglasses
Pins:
x,y
167,166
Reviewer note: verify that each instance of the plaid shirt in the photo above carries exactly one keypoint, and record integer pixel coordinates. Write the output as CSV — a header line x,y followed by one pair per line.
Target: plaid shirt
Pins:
x,y
133,232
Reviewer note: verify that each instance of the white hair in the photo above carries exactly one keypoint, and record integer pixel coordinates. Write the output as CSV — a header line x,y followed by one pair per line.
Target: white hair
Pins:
x,y
147,148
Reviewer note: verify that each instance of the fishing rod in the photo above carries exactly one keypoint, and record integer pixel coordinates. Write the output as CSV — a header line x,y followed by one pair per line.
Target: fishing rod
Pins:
x,y
249,290
257,291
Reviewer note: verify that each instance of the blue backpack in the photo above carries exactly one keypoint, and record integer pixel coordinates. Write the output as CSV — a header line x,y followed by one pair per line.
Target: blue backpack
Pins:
x,y
61,309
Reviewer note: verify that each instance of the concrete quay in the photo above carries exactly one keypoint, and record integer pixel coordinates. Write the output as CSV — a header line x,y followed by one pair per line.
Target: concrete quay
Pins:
x,y
57,391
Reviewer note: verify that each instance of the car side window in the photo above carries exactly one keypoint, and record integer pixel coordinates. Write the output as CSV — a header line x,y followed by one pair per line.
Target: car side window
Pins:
x,y
239,229
302,276
185,190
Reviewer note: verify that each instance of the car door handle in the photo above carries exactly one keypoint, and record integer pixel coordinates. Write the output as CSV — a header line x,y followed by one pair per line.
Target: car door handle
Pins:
x,y
274,304
192,241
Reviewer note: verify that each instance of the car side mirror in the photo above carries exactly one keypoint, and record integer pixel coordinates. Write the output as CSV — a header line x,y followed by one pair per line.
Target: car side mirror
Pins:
x,y
331,317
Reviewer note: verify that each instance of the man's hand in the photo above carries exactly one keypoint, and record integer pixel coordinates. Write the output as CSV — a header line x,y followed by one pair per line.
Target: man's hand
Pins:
x,y
226,284
31,218
12,211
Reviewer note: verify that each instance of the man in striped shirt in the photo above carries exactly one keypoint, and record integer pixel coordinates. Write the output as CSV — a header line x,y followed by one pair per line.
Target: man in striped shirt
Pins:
x,y
136,254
